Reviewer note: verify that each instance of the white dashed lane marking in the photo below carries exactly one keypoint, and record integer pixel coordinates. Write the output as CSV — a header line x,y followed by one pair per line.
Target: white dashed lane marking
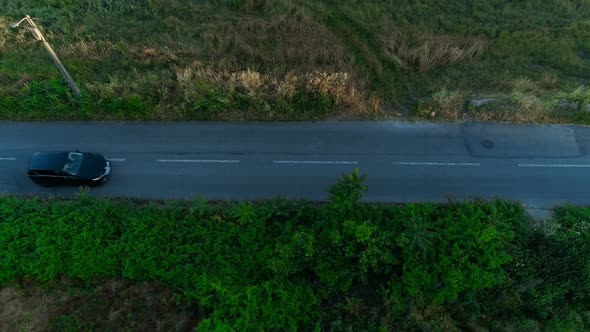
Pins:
x,y
197,161
421,163
555,165
315,162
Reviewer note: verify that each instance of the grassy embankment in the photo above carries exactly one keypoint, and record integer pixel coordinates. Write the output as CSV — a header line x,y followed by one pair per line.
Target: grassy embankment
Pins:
x,y
298,60
91,264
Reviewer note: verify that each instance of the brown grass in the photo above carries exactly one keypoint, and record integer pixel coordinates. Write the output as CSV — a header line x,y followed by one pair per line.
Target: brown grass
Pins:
x,y
445,104
428,50
339,85
518,116
527,100
526,86
114,88
522,107
3,34
86,48
530,107
13,38
550,81
281,43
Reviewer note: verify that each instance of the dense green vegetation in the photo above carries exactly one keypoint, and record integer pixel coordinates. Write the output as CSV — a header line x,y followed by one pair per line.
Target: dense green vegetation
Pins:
x,y
283,265
297,60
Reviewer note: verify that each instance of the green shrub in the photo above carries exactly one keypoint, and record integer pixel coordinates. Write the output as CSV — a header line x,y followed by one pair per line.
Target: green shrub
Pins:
x,y
458,255
281,265
560,272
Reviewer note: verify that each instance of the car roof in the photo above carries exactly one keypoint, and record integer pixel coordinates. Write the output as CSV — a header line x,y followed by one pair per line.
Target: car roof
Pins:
x,y
48,160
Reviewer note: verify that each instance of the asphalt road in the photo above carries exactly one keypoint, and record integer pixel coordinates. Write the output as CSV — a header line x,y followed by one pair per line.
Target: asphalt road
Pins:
x,y
404,162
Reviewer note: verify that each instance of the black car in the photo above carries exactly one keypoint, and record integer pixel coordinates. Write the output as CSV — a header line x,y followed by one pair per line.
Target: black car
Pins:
x,y
69,168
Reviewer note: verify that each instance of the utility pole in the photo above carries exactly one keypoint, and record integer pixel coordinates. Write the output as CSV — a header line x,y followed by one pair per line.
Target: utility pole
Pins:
x,y
39,36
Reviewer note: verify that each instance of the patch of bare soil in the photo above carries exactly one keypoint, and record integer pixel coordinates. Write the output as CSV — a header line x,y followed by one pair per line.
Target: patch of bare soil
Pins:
x,y
108,306
21,310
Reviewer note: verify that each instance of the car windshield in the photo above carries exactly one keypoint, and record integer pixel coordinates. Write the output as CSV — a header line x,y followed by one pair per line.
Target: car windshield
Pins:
x,y
72,167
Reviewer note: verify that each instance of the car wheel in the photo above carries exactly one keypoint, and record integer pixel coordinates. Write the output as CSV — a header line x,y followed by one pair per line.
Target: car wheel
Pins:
x,y
42,183
92,184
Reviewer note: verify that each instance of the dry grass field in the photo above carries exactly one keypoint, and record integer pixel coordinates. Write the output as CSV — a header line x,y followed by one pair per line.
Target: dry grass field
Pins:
x,y
248,60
